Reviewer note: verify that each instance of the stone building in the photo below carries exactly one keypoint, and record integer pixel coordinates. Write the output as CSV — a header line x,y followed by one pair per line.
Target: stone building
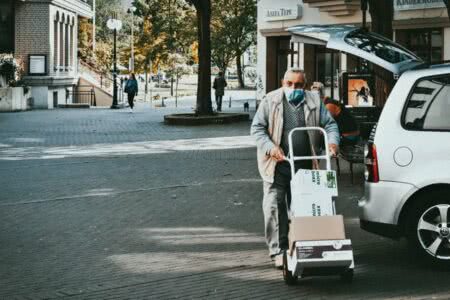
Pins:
x,y
421,26
44,35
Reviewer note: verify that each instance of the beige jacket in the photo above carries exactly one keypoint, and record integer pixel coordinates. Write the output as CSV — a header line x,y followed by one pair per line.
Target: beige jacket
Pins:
x,y
267,128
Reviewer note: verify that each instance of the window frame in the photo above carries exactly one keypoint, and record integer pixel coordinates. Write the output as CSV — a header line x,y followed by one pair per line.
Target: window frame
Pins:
x,y
13,28
411,92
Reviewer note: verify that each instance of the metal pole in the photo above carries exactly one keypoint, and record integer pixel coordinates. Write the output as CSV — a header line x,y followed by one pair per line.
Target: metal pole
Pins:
x,y
151,94
115,104
132,40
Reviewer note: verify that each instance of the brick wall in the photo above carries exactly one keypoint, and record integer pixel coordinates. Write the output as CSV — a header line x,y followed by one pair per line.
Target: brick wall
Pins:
x,y
32,31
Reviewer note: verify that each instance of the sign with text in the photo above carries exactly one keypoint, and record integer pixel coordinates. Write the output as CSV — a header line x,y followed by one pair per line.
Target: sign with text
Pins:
x,y
37,65
417,4
283,13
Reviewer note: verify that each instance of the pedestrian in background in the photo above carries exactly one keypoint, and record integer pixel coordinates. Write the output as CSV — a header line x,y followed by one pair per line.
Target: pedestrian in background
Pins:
x,y
131,88
219,85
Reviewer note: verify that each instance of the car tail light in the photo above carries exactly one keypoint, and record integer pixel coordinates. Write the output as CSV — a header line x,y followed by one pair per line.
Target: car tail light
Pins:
x,y
371,161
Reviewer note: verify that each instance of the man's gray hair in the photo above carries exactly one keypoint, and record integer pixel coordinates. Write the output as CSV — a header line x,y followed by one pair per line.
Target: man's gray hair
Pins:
x,y
296,71
318,86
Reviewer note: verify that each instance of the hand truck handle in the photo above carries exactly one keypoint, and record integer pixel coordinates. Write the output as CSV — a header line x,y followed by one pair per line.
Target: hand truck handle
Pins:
x,y
292,159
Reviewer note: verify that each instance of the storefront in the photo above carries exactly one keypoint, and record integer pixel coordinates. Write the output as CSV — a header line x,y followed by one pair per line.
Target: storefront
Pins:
x,y
422,28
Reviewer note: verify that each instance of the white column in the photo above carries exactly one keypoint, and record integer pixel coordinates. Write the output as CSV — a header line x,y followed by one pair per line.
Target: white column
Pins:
x,y
67,47
56,47
302,56
343,62
447,43
71,45
261,66
61,45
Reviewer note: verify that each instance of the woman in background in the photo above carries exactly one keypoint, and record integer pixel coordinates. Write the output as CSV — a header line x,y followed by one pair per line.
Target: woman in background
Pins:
x,y
131,88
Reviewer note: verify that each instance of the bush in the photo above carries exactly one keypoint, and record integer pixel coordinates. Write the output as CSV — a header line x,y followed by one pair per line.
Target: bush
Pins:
x,y
10,69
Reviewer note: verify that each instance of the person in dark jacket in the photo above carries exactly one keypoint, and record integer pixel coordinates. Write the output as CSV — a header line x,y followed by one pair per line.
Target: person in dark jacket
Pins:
x,y
219,85
131,88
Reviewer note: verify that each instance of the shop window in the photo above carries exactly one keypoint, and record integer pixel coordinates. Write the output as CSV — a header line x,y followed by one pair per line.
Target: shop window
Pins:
x,y
426,43
428,107
328,70
6,26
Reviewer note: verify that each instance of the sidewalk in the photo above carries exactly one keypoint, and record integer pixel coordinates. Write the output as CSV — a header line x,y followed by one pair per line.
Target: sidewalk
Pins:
x,y
180,218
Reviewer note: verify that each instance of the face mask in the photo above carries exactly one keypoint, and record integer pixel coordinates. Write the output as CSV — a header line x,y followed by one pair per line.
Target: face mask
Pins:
x,y
295,96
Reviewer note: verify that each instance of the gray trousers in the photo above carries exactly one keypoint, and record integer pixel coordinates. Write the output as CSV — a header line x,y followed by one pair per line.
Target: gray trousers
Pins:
x,y
277,197
276,220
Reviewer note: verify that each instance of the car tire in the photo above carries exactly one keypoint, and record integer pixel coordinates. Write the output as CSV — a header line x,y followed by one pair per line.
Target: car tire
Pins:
x,y
428,228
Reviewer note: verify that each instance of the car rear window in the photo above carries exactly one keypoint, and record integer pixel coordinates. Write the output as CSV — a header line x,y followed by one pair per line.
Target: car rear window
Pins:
x,y
379,46
428,106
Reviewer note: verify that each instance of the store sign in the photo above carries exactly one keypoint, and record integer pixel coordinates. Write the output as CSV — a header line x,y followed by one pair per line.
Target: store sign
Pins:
x,y
418,4
37,65
284,13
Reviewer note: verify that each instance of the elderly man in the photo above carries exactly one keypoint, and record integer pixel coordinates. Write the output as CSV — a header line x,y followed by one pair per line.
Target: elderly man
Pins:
x,y
279,112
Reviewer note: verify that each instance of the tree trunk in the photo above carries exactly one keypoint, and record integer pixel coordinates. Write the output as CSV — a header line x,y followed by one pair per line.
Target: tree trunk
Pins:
x,y
204,106
447,3
382,14
239,69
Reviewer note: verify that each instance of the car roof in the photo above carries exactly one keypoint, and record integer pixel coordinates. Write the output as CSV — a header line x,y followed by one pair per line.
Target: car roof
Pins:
x,y
428,70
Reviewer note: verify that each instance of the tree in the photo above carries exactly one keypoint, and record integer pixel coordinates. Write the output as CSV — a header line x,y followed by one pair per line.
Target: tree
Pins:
x,y
382,15
447,4
233,29
177,67
245,33
203,11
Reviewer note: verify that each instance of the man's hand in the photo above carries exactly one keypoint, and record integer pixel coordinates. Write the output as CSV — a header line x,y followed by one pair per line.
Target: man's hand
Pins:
x,y
277,154
334,149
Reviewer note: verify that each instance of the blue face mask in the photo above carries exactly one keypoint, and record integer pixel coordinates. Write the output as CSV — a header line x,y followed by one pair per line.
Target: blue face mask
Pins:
x,y
294,96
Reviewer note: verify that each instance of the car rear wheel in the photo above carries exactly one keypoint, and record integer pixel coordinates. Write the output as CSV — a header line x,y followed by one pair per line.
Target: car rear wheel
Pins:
x,y
429,228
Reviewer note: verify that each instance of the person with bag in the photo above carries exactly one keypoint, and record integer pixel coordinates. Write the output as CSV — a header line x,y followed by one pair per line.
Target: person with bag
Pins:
x,y
131,88
219,85
281,111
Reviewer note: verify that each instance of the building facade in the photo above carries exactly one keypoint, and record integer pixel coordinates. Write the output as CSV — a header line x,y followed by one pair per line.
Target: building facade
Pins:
x,y
43,34
421,26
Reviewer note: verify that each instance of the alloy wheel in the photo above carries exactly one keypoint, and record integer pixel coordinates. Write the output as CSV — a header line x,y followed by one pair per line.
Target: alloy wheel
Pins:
x,y
433,230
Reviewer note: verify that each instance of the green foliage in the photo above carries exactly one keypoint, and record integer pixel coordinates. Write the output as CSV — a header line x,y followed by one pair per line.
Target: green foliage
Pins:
x,y
10,68
85,40
165,27
233,29
103,12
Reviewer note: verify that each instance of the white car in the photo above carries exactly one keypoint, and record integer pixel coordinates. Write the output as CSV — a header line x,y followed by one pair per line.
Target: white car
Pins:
x,y
407,190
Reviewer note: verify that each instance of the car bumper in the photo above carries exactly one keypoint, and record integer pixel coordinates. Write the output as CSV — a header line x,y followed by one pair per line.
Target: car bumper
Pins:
x,y
381,205
387,230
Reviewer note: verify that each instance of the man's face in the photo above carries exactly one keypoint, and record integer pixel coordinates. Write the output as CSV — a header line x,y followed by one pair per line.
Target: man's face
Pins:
x,y
294,81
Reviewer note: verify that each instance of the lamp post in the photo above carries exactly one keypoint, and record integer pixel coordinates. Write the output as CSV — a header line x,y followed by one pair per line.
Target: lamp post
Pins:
x,y
132,10
114,25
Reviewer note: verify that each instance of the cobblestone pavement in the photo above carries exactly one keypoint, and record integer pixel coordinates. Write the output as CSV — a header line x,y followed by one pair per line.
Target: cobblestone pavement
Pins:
x,y
179,224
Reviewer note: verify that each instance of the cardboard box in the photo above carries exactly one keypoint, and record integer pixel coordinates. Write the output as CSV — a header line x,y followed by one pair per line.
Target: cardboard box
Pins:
x,y
313,192
316,229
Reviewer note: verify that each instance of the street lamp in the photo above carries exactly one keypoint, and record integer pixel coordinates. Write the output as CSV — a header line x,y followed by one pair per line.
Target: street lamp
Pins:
x,y
132,10
114,25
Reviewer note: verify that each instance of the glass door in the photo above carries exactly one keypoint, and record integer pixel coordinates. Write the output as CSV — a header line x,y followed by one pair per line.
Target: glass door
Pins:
x,y
328,70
